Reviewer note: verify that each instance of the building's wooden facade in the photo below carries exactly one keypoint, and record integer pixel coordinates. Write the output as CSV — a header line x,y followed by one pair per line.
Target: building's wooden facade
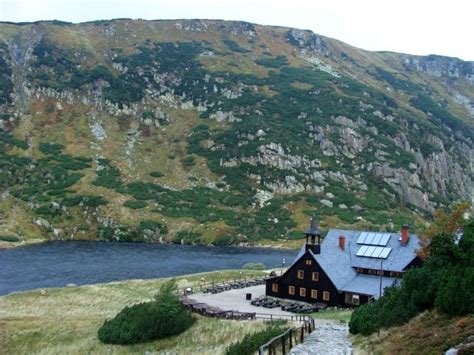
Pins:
x,y
306,280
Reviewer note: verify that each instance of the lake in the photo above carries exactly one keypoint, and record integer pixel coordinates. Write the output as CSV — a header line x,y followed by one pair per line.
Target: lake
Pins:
x,y
56,264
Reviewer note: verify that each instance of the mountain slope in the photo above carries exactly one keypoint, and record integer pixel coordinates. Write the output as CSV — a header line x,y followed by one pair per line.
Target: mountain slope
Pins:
x,y
201,131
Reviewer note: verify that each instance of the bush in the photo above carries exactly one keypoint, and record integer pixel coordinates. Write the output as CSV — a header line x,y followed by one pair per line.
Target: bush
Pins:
x,y
156,174
9,238
224,240
251,342
135,204
143,322
272,62
153,225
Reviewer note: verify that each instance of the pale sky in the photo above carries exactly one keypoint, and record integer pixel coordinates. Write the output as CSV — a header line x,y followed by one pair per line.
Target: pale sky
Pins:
x,y
410,26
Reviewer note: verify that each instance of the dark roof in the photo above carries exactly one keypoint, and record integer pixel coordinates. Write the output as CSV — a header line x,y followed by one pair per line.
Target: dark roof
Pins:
x,y
313,227
340,264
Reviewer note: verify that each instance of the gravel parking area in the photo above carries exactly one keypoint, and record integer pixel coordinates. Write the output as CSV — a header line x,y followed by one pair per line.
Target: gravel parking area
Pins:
x,y
234,300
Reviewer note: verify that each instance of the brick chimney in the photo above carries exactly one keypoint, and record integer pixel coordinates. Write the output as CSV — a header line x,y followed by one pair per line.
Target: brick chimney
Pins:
x,y
405,236
342,242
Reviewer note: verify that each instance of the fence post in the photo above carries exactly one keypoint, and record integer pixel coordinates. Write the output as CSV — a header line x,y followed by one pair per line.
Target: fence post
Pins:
x,y
283,345
291,338
302,335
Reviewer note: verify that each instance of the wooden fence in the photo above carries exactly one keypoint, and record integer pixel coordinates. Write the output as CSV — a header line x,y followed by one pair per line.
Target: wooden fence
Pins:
x,y
282,343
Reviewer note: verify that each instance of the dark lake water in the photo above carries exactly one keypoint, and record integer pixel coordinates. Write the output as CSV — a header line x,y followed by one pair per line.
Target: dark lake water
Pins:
x,y
55,264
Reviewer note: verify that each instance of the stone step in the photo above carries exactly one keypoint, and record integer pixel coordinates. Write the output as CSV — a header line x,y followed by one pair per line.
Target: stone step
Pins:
x,y
326,339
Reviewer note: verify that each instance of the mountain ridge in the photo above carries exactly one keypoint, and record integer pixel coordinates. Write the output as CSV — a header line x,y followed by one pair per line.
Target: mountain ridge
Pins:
x,y
269,123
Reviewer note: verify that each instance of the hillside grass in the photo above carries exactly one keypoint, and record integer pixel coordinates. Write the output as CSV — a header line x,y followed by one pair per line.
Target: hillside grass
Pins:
x,y
66,320
428,333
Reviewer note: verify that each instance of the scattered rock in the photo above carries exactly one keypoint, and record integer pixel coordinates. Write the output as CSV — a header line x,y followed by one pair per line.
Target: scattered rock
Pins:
x,y
326,203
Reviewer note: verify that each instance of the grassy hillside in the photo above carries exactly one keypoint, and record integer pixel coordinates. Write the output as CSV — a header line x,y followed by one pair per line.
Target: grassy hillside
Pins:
x,y
429,333
58,321
225,132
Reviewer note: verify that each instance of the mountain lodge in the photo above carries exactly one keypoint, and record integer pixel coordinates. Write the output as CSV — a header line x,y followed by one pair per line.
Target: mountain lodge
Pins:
x,y
349,268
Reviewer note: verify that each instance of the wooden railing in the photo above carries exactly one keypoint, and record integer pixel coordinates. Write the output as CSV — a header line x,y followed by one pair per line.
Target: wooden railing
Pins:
x,y
282,343
289,317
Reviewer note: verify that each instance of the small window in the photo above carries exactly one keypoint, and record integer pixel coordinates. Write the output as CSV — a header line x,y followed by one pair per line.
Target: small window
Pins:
x,y
379,272
308,262
302,292
355,300
291,290
360,270
274,287
314,294
301,274
326,295
372,271
315,276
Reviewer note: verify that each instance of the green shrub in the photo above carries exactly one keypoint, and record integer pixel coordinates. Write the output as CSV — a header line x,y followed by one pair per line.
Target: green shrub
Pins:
x,y
9,238
162,318
51,148
156,174
153,225
273,62
225,240
135,204
234,46
188,161
252,342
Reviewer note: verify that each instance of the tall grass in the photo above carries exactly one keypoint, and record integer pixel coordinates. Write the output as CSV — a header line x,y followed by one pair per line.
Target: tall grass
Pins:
x,y
66,320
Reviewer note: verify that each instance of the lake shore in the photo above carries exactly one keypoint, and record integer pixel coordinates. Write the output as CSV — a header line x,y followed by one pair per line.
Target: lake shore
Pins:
x,y
278,244
57,264
66,320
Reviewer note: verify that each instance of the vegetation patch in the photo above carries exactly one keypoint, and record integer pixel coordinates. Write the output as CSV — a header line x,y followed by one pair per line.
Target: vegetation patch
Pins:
x,y
9,238
447,277
252,342
162,318
135,204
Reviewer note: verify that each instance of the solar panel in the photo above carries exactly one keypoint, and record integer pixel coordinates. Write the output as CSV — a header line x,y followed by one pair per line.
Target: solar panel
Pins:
x,y
369,251
377,252
362,250
370,238
385,253
385,239
376,240
361,238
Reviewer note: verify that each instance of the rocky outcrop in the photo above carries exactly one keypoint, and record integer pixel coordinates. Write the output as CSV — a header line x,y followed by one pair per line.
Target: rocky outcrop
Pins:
x,y
406,184
440,66
308,41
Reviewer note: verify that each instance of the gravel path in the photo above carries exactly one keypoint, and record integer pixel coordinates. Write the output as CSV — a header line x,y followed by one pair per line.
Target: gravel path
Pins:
x,y
329,337
234,300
